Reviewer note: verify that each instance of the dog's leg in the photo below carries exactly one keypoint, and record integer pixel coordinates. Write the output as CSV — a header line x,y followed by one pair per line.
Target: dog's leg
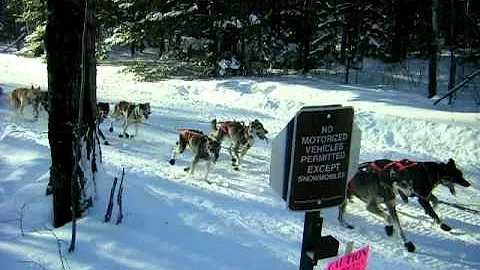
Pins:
x,y
176,150
244,152
341,215
372,207
22,106
234,150
393,214
402,196
179,147
434,200
136,129
115,120
209,163
194,164
124,131
35,110
100,133
429,210
124,126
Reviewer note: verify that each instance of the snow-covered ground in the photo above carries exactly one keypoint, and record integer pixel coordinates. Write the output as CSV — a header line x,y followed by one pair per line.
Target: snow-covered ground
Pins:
x,y
173,221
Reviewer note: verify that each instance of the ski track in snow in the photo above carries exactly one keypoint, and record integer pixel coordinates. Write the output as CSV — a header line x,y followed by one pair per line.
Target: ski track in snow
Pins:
x,y
237,208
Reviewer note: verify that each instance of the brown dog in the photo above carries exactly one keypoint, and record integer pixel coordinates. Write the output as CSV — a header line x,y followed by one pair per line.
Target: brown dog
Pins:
x,y
242,137
203,147
22,97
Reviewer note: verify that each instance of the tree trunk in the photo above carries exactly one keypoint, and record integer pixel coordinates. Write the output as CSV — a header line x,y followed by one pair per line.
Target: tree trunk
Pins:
x,y
343,48
132,48
453,72
399,35
452,43
307,36
161,49
432,82
64,57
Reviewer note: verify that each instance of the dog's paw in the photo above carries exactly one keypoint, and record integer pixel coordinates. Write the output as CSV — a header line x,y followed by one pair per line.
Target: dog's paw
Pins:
x,y
410,246
445,227
186,169
110,129
106,143
348,226
389,230
172,161
120,135
127,136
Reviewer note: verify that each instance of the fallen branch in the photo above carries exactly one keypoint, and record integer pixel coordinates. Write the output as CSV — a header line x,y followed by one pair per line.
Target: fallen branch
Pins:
x,y
458,86
22,35
63,261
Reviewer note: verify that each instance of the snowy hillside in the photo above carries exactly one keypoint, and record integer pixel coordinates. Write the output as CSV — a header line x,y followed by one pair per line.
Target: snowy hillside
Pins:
x,y
236,222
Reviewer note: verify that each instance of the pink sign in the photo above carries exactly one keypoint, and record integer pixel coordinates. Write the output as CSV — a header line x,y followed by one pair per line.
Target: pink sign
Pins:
x,y
356,260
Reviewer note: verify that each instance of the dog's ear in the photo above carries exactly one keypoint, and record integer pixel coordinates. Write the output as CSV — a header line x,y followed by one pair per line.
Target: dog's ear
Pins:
x,y
451,162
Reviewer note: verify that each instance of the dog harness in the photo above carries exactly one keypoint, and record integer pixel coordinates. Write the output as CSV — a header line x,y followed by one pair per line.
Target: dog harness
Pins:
x,y
188,133
397,165
224,128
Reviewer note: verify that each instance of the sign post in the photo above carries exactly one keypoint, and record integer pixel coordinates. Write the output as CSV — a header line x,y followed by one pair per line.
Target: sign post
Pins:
x,y
309,169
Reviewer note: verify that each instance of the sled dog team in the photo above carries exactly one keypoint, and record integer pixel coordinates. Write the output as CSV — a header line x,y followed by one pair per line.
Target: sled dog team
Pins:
x,y
204,147
376,182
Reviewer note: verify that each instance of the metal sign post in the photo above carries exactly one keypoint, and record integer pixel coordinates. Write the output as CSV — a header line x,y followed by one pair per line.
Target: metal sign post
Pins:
x,y
309,169
315,246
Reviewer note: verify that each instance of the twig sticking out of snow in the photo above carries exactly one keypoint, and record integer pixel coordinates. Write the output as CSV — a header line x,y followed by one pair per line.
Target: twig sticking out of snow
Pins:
x,y
119,199
108,214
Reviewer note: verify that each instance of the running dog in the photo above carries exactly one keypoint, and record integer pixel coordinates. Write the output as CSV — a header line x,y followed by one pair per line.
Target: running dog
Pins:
x,y
22,97
242,137
131,113
373,189
419,179
103,109
203,147
407,178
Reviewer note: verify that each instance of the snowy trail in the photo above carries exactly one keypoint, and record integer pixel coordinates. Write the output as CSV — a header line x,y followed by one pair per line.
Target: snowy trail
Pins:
x,y
174,221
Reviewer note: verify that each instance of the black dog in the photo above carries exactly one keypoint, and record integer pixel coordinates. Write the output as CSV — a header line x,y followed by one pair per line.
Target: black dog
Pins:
x,y
419,179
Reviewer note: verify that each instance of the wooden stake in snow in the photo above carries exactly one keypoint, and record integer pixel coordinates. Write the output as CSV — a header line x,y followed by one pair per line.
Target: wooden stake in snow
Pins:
x,y
108,214
119,199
